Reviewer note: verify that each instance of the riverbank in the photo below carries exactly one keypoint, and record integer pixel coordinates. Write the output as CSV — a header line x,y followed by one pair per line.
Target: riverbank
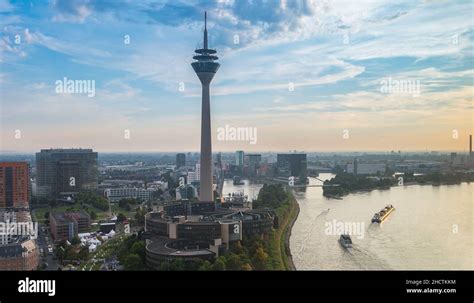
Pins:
x,y
280,257
344,184
294,212
360,191
277,244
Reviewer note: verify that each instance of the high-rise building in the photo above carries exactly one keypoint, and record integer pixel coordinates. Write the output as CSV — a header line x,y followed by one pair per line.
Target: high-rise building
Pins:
x,y
206,68
198,171
470,145
14,184
253,161
453,157
292,165
239,158
63,172
219,160
180,160
194,176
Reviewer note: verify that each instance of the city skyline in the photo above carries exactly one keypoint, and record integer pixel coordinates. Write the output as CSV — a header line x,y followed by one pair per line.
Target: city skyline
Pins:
x,y
303,74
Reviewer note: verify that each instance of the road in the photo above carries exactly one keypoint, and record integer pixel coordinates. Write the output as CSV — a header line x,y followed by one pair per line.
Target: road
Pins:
x,y
45,239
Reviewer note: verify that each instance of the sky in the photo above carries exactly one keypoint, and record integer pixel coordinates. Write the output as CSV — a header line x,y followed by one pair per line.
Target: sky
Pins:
x,y
299,75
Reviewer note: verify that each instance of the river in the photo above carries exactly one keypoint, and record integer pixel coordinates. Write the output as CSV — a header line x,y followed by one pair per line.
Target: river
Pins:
x,y
431,228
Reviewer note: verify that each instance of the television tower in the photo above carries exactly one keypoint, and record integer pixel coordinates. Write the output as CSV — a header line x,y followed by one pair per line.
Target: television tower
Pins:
x,y
205,68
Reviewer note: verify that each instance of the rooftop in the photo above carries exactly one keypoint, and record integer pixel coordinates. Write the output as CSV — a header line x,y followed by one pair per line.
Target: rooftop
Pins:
x,y
67,217
181,247
67,150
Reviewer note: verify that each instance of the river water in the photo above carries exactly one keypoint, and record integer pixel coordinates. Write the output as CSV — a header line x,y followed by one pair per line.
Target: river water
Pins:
x,y
431,228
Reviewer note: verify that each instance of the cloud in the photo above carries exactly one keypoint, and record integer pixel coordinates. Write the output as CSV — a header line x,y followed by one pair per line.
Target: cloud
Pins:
x,y
37,38
430,80
8,47
75,11
294,71
6,6
403,106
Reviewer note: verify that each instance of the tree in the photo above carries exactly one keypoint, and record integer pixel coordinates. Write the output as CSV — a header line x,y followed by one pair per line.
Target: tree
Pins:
x,y
83,253
140,216
138,248
93,215
165,266
46,215
246,267
93,199
237,248
101,203
126,202
177,265
233,262
132,262
121,217
271,195
205,266
260,258
75,240
219,264
62,250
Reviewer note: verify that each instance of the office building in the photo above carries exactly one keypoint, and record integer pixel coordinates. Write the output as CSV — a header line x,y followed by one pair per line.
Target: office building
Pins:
x,y
65,172
175,235
180,160
293,165
14,184
187,191
365,168
194,177
219,160
64,226
140,194
253,161
239,158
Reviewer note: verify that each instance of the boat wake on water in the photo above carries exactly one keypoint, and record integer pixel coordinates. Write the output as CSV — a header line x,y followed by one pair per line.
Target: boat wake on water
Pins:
x,y
323,213
365,259
310,230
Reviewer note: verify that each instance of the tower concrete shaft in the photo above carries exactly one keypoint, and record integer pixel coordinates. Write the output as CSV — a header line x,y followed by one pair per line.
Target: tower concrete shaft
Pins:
x,y
206,193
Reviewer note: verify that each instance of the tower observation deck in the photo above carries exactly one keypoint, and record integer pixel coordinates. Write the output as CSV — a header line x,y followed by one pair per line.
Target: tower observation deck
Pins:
x,y
205,56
